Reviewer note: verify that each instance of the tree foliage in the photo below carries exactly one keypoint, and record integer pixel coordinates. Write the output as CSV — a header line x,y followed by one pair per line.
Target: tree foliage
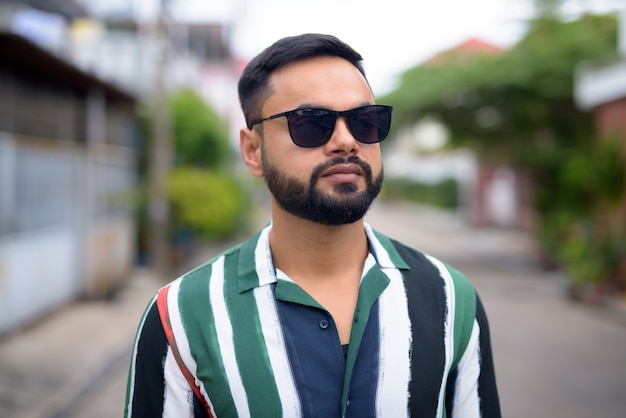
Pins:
x,y
200,135
204,195
518,108
206,199
210,204
511,104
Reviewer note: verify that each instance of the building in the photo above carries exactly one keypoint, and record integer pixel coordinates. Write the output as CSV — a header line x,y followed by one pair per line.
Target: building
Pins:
x,y
67,167
127,53
601,88
68,141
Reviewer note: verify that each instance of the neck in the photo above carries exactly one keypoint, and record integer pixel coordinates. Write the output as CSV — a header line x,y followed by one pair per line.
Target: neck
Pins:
x,y
303,248
325,261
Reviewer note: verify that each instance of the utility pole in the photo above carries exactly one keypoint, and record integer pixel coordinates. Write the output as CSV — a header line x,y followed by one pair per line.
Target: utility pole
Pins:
x,y
161,151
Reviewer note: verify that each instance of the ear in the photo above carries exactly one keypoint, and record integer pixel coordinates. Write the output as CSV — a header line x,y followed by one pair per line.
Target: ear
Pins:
x,y
250,147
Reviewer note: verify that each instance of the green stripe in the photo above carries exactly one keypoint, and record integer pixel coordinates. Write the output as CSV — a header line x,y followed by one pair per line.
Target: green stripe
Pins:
x,y
199,323
465,312
392,252
291,292
247,277
250,348
372,286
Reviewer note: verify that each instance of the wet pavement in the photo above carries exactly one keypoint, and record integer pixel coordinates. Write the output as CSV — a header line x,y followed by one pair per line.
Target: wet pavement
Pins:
x,y
554,357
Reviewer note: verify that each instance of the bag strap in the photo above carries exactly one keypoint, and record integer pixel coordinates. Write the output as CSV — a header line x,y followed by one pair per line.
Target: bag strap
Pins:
x,y
171,339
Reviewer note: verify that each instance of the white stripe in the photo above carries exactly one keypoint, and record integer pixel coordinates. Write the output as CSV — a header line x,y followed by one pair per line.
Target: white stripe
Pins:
x,y
178,395
131,383
277,351
272,329
395,349
225,339
466,398
263,258
382,257
448,328
182,343
394,368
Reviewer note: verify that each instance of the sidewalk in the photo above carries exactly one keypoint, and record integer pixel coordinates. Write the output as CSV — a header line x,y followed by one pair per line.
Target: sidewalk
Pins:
x,y
50,368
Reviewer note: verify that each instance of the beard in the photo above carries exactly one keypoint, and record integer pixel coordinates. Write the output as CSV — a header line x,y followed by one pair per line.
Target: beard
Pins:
x,y
347,205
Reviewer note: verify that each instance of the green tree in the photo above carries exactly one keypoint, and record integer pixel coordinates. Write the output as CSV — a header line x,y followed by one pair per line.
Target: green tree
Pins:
x,y
512,105
200,135
206,199
518,108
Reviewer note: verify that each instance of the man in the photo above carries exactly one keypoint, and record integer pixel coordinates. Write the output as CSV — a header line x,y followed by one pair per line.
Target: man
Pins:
x,y
317,315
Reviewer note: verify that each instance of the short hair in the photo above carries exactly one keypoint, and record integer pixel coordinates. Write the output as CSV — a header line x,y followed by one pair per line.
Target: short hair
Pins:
x,y
253,83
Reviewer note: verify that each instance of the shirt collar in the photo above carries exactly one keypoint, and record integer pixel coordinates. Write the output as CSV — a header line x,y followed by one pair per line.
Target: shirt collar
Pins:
x,y
256,267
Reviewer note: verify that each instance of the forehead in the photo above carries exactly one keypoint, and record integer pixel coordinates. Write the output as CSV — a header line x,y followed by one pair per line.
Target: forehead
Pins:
x,y
328,82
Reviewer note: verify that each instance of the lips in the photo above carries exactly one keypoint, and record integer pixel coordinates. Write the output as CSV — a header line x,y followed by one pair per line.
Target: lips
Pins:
x,y
343,173
343,169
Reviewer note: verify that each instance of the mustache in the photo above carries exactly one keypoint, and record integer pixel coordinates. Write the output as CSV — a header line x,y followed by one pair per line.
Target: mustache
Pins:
x,y
352,159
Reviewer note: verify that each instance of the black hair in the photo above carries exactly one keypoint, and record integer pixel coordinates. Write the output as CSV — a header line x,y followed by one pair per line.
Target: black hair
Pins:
x,y
253,83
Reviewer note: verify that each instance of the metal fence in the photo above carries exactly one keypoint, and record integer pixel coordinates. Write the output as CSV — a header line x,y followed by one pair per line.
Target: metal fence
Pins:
x,y
50,186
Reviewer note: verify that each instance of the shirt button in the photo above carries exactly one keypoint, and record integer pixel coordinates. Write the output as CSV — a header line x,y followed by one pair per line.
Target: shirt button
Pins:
x,y
323,324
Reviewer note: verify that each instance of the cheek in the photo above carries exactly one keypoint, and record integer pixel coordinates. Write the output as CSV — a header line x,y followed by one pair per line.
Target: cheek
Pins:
x,y
288,162
374,159
280,151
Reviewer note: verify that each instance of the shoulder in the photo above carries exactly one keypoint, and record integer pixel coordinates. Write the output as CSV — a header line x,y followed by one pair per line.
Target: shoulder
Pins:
x,y
418,259
204,271
426,269
232,271
433,283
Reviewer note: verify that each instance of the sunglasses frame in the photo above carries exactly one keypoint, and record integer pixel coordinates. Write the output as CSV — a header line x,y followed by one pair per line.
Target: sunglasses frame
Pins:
x,y
335,113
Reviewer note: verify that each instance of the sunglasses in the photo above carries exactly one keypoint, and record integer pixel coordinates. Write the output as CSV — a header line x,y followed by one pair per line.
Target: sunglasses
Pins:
x,y
311,128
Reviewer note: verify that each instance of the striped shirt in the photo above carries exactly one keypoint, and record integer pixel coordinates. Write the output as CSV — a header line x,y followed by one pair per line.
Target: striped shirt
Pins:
x,y
237,338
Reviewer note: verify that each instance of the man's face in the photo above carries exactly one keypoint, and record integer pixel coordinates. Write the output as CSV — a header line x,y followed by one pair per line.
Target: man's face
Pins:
x,y
333,184
346,205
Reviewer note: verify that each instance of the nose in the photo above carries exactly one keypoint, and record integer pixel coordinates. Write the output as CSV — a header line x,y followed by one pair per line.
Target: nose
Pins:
x,y
342,142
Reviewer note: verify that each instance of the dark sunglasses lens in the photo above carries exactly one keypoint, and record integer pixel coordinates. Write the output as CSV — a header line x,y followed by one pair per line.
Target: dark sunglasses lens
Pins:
x,y
310,128
370,124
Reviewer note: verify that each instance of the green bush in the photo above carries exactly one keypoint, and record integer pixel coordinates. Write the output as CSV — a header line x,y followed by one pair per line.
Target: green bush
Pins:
x,y
582,224
200,135
209,203
443,194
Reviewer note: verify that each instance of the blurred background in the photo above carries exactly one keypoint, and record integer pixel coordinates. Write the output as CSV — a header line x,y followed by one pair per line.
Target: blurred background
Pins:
x,y
119,169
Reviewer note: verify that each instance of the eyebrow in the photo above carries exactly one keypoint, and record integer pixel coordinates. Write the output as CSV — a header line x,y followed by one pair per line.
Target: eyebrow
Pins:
x,y
313,106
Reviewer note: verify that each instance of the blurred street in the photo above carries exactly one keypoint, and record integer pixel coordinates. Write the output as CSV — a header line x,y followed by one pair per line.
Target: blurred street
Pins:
x,y
554,358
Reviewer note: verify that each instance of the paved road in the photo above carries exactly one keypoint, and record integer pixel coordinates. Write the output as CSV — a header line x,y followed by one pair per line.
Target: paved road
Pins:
x,y
554,358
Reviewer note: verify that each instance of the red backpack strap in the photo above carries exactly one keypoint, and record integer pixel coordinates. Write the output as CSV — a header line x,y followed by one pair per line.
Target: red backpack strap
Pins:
x,y
171,339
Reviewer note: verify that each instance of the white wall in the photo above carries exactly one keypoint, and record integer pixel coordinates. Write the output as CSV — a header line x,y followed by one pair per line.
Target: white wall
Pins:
x,y
37,275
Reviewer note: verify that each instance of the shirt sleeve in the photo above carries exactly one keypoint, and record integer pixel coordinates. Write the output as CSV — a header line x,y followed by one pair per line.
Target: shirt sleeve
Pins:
x,y
475,392
156,386
487,387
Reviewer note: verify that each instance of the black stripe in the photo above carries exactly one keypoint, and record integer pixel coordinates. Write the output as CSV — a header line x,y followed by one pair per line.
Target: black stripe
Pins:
x,y
427,312
487,388
149,386
450,389
198,408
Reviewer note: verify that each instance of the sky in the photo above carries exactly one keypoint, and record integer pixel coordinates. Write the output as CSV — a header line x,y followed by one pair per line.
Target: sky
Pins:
x,y
391,35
